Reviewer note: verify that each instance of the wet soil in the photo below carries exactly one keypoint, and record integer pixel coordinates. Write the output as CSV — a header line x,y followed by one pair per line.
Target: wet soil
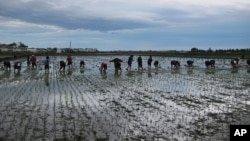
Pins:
x,y
83,104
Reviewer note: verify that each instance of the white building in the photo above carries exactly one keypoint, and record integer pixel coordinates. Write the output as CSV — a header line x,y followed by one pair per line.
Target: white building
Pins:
x,y
42,50
4,49
19,49
32,50
59,50
90,49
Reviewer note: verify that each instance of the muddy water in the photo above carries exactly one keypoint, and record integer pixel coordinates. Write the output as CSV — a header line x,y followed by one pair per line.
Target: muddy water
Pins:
x,y
168,104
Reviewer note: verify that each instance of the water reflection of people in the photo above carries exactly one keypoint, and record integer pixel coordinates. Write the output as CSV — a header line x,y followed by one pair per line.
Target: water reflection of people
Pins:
x,y
175,71
46,79
210,71
117,74
17,74
234,70
70,72
129,74
149,74
248,71
62,73
46,64
6,74
104,75
189,71
81,70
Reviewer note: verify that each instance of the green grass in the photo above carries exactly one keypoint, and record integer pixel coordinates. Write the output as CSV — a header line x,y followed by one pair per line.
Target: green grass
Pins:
x,y
4,56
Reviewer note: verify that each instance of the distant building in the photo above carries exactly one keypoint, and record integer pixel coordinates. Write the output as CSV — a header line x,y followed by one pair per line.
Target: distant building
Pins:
x,y
75,50
91,49
42,50
32,50
19,49
4,49
59,50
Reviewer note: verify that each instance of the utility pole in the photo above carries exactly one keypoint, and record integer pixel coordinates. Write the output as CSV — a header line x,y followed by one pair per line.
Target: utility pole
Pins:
x,y
69,43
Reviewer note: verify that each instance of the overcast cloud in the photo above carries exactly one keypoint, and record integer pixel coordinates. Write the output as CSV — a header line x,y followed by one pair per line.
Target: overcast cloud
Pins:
x,y
127,24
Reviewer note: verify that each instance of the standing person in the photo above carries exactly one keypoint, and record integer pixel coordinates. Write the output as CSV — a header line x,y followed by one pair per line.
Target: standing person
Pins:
x,y
130,60
69,61
28,60
139,60
33,61
150,60
46,64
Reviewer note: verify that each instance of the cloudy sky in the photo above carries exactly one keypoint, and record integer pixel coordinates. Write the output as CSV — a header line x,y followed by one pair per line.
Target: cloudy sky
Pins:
x,y
126,24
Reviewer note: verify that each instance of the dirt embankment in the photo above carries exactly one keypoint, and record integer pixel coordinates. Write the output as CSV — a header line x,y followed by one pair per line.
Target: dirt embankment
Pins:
x,y
10,57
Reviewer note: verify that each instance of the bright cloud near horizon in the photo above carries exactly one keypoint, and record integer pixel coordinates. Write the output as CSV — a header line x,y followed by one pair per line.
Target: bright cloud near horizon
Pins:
x,y
126,24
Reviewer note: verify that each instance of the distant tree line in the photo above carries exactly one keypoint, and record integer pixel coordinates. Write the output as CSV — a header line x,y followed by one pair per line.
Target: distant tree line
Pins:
x,y
14,45
221,50
21,45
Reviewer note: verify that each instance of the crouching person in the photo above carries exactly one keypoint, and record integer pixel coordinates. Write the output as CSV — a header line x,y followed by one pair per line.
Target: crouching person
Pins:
x,y
82,64
62,65
7,65
17,66
210,63
248,62
156,64
235,63
175,64
190,63
104,67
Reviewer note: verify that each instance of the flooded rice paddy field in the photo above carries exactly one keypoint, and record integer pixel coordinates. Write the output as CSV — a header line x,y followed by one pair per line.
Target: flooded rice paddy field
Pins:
x,y
169,104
